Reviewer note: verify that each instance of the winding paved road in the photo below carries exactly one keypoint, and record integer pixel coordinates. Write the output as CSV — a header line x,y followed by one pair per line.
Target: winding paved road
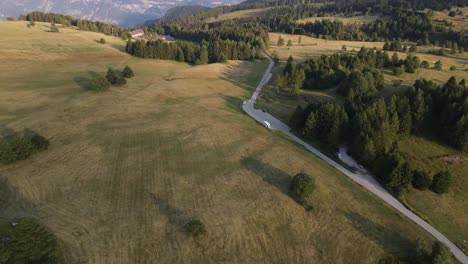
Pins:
x,y
361,177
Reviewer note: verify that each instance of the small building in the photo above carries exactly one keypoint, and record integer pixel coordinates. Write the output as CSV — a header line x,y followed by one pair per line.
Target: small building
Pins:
x,y
165,37
137,33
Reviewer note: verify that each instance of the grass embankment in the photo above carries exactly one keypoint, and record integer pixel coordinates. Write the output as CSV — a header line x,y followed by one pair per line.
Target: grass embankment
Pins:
x,y
127,168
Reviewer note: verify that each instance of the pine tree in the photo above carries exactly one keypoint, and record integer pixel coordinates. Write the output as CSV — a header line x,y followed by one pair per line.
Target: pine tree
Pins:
x,y
280,41
127,72
289,43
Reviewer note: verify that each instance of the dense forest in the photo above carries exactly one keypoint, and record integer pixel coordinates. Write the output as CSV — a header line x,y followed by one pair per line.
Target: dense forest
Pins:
x,y
357,77
373,129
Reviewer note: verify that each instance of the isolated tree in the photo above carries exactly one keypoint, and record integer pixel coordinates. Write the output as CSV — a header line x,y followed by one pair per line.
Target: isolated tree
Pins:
x,y
344,48
453,68
452,13
127,72
280,41
438,65
289,43
425,65
102,41
111,76
53,28
195,228
99,84
421,180
442,182
299,40
302,186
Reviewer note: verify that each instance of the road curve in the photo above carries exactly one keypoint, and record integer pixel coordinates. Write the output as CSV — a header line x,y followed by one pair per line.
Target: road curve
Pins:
x,y
362,178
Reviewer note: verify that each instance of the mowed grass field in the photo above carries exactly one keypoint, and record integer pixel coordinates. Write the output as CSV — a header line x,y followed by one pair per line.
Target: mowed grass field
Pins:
x,y
448,212
238,14
127,167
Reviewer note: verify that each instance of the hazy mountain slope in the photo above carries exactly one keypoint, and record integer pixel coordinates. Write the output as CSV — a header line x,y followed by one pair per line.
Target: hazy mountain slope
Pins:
x,y
123,12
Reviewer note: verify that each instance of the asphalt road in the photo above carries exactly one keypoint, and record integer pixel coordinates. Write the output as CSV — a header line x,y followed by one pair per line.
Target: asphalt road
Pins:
x,y
361,177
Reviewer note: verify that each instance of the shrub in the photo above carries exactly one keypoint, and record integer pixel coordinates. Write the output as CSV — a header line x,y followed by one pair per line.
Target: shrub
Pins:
x,y
102,41
421,180
289,44
195,228
120,81
440,253
10,19
452,14
438,65
425,65
127,72
441,182
397,71
302,186
28,242
53,28
453,68
99,84
280,41
111,76
20,147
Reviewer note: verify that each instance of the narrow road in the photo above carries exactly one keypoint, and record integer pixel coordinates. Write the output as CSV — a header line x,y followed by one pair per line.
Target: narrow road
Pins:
x,y
363,179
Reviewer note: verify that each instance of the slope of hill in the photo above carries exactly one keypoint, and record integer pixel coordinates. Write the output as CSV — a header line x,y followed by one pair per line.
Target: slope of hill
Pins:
x,y
180,11
127,167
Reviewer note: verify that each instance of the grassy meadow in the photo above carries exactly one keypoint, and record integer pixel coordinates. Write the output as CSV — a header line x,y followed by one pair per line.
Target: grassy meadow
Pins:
x,y
128,167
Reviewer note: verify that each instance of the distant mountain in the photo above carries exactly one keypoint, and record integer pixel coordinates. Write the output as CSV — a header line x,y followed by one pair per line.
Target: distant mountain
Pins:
x,y
122,12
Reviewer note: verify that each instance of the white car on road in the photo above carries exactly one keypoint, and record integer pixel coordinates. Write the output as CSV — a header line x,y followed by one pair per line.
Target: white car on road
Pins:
x,y
267,124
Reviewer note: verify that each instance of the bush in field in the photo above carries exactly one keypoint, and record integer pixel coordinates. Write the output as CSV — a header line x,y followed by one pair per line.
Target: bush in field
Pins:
x,y
21,146
397,71
195,228
425,65
120,81
53,28
421,180
111,76
27,242
102,41
441,182
127,72
302,186
99,84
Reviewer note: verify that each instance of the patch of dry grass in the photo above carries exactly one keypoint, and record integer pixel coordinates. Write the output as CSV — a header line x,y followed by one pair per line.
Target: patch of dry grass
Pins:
x,y
127,167
459,22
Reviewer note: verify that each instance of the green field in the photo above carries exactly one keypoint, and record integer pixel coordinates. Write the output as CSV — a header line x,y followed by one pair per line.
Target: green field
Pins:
x,y
127,167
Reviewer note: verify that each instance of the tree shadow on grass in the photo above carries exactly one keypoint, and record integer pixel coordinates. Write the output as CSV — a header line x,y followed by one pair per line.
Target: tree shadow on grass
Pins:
x,y
175,216
85,81
392,241
272,175
234,103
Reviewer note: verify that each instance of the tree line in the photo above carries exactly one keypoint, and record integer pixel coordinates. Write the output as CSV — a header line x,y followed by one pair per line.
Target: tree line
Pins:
x,y
357,77
86,25
205,52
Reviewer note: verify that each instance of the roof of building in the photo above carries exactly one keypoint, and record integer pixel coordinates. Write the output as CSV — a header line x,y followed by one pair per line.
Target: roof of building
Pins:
x,y
137,32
